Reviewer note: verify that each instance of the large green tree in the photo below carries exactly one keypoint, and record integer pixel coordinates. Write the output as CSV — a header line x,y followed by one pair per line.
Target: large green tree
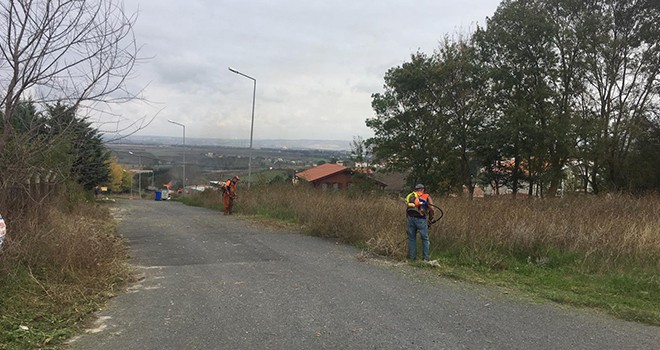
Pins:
x,y
408,125
460,83
430,118
622,55
517,51
545,86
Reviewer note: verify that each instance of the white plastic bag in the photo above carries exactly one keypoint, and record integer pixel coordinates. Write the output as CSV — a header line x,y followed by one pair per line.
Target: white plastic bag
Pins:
x,y
3,231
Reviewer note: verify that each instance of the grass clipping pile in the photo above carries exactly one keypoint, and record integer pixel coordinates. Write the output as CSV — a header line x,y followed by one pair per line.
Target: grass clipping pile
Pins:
x,y
56,269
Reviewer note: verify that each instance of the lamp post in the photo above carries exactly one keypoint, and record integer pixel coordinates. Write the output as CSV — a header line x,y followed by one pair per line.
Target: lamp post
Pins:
x,y
184,152
131,186
254,95
139,173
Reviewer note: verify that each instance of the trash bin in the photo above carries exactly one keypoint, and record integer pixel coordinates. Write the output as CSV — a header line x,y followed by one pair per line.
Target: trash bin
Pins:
x,y
158,195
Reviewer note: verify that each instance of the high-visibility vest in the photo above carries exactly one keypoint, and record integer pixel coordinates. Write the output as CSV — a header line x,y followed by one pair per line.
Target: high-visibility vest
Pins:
x,y
419,201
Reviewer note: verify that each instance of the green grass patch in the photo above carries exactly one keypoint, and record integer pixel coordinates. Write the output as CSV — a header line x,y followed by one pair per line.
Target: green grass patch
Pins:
x,y
40,311
631,295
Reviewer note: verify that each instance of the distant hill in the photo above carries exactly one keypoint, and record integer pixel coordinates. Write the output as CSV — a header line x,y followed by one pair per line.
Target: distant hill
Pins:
x,y
330,145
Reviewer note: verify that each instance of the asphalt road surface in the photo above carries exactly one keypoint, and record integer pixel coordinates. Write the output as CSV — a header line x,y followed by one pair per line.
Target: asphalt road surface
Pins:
x,y
222,282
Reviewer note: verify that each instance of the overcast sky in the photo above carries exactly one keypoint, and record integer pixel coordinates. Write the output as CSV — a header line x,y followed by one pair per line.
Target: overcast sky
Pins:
x,y
316,62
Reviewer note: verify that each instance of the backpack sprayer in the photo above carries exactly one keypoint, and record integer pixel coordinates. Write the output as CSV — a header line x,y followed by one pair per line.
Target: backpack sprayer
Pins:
x,y
431,219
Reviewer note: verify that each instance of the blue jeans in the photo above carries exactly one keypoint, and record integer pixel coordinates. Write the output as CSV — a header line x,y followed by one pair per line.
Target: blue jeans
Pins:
x,y
417,224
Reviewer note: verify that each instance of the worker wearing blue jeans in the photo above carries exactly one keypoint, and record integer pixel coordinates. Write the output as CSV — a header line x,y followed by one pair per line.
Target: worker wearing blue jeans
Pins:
x,y
417,209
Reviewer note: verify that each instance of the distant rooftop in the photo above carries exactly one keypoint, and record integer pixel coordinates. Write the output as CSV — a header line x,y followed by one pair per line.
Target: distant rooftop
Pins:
x,y
321,171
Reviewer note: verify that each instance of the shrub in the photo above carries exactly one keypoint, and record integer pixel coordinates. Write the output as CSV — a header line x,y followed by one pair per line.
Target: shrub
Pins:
x,y
60,261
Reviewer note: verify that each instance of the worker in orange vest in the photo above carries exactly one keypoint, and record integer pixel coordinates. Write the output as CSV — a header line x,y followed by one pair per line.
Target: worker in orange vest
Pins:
x,y
229,194
418,209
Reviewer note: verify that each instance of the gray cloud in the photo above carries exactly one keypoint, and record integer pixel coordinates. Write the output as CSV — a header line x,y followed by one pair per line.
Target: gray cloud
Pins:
x,y
316,62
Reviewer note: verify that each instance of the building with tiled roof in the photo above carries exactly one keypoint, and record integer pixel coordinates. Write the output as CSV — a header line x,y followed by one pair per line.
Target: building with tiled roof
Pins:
x,y
327,175
339,177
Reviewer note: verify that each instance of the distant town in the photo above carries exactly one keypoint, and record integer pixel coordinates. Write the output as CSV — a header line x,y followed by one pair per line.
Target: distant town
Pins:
x,y
160,159
325,145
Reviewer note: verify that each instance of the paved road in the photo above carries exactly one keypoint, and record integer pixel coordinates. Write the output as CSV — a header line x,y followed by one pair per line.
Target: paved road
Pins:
x,y
218,282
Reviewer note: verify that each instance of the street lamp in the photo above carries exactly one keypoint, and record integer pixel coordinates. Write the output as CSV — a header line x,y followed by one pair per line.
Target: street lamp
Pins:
x,y
254,94
184,152
139,173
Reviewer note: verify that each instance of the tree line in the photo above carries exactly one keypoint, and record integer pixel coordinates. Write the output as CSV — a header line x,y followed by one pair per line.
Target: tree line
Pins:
x,y
545,86
61,62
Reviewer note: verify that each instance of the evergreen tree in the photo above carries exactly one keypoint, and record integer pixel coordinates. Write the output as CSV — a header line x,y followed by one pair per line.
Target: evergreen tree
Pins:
x,y
90,158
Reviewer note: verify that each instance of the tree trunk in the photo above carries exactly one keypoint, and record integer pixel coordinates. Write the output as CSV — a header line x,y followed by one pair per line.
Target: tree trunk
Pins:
x,y
594,181
516,175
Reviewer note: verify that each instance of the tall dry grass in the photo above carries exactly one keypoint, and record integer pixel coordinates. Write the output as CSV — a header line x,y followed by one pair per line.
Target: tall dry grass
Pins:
x,y
349,217
61,245
602,232
607,232
60,262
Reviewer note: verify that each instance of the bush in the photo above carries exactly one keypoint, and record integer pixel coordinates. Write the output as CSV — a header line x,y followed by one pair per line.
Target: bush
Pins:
x,y
60,262
209,198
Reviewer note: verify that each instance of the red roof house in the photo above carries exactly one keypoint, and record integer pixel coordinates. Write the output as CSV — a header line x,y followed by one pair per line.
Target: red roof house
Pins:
x,y
327,176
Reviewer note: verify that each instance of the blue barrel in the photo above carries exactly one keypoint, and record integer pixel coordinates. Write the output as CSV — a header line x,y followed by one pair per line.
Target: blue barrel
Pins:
x,y
158,195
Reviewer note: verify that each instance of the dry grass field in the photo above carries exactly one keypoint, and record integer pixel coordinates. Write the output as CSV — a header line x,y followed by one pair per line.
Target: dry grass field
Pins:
x,y
607,232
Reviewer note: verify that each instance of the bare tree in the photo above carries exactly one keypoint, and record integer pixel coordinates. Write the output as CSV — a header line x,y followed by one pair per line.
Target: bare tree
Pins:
x,y
74,53
79,52
358,151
